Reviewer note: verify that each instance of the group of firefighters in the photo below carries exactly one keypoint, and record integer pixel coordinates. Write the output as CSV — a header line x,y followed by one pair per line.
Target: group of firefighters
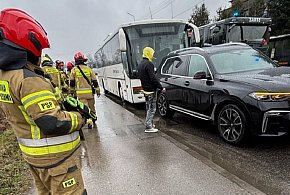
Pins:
x,y
45,107
76,81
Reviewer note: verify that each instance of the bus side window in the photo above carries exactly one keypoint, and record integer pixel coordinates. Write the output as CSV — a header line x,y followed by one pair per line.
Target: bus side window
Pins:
x,y
125,62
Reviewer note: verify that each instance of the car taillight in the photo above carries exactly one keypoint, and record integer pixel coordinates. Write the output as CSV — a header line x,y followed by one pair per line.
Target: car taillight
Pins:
x,y
137,90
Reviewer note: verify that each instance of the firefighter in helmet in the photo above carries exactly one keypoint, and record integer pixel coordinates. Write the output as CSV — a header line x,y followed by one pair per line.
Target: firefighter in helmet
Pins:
x,y
84,81
69,67
63,77
54,74
47,136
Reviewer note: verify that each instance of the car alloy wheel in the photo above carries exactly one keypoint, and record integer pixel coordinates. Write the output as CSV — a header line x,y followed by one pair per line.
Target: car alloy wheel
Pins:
x,y
163,107
231,124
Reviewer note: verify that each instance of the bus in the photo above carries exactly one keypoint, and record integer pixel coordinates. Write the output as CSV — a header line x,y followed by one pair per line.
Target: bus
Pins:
x,y
251,30
118,58
279,49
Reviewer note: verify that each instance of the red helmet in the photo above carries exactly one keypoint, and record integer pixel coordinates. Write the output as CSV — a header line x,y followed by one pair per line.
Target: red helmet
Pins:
x,y
21,29
69,66
59,64
79,58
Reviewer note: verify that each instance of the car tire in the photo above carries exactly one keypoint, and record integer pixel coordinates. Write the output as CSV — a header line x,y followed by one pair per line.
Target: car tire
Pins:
x,y
232,124
163,106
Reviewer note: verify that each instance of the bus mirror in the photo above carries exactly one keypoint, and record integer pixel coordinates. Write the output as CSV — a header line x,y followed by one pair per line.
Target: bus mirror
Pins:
x,y
195,31
122,39
216,30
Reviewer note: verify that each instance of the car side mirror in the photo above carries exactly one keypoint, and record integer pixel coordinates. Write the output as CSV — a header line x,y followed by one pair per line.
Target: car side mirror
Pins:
x,y
200,75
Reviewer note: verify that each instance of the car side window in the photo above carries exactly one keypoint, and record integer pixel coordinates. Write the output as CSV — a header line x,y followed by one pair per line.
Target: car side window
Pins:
x,y
197,64
167,68
180,66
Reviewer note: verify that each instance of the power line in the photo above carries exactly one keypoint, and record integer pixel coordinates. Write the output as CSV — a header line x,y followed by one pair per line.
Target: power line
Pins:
x,y
164,3
165,6
188,9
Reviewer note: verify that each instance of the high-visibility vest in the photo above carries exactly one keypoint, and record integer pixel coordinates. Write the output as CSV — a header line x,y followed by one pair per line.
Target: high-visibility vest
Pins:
x,y
82,86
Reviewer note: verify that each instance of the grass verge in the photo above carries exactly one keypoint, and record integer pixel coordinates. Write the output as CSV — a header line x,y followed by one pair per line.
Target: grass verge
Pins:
x,y
15,177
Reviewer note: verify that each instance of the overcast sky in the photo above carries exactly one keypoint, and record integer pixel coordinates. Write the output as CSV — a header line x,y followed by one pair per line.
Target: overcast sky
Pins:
x,y
82,25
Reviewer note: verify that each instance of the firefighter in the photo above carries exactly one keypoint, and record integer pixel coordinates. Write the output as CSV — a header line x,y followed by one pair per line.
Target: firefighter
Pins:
x,y
47,136
60,66
54,74
63,77
85,83
69,67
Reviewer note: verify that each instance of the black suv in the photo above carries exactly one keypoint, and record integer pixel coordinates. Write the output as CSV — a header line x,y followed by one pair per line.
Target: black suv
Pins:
x,y
238,88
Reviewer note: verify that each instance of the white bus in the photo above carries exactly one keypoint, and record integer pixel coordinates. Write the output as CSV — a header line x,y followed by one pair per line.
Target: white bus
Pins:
x,y
118,58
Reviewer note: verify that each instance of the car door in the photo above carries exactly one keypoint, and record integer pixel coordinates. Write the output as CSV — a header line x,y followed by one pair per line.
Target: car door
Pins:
x,y
173,73
197,90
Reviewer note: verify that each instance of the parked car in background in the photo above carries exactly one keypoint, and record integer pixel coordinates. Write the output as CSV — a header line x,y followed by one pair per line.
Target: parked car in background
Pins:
x,y
238,88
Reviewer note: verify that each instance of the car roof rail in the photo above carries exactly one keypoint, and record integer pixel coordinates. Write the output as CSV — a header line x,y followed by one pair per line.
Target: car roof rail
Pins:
x,y
233,43
183,50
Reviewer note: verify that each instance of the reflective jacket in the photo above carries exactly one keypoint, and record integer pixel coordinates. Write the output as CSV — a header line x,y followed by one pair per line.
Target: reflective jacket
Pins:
x,y
55,79
82,88
55,75
46,134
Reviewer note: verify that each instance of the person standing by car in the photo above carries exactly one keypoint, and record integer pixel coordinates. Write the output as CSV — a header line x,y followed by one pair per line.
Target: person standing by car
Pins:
x,y
150,85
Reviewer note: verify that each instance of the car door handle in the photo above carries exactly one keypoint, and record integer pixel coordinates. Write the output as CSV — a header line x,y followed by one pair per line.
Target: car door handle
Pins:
x,y
186,83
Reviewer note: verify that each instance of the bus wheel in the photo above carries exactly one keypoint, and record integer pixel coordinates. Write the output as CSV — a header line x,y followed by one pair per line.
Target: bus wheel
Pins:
x,y
121,94
105,91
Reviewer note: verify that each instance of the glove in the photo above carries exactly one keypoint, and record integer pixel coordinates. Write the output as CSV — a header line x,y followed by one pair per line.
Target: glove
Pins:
x,y
64,89
98,91
72,104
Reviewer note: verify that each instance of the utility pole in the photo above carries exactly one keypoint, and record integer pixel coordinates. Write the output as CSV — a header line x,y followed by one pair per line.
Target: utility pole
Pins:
x,y
248,7
150,13
171,10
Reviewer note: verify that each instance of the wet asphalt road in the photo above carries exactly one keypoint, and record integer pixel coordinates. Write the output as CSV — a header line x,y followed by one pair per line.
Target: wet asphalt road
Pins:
x,y
262,161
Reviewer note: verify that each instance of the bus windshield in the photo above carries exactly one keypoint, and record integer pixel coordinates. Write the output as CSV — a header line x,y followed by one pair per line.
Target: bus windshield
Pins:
x,y
162,37
249,33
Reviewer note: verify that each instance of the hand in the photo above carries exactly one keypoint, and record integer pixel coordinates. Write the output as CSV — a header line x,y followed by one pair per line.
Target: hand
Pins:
x,y
163,90
98,92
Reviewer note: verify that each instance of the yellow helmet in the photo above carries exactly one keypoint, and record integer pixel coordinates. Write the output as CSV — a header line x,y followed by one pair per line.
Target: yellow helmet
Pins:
x,y
46,61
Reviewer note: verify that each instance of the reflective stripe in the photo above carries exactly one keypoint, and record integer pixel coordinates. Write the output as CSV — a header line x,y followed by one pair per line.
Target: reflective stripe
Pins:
x,y
50,149
83,91
147,92
57,93
74,121
58,79
36,97
48,141
35,131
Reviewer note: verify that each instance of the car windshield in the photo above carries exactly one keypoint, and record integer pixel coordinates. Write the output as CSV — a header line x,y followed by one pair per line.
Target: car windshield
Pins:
x,y
239,60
